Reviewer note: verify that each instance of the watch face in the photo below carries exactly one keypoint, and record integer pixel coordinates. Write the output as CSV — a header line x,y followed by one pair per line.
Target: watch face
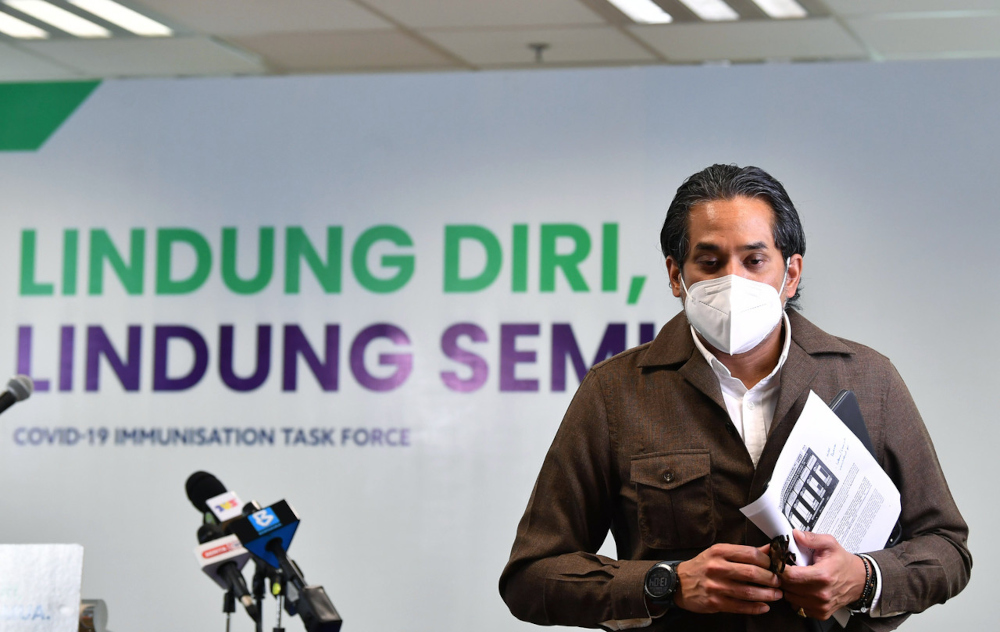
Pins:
x,y
660,582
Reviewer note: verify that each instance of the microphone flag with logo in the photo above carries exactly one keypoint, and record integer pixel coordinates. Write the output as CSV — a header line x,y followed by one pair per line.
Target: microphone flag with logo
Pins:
x,y
258,530
221,557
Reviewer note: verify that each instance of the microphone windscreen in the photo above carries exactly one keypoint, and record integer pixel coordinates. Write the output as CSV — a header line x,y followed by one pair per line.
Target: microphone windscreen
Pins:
x,y
21,387
209,532
200,487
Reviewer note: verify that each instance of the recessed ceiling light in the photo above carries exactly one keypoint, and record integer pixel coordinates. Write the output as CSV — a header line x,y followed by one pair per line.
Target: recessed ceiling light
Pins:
x,y
711,10
782,8
59,18
124,17
644,11
9,25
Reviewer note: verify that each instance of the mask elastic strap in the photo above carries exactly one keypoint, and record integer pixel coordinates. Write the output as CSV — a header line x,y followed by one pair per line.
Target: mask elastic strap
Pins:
x,y
784,277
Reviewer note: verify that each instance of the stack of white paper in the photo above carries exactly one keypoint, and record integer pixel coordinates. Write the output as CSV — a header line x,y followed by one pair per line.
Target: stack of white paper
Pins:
x,y
40,587
825,481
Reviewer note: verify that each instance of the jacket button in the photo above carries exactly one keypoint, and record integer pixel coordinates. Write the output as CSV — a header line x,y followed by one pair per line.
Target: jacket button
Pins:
x,y
668,476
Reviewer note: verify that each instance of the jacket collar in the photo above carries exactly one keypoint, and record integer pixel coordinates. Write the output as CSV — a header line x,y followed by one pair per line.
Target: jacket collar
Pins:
x,y
814,340
674,346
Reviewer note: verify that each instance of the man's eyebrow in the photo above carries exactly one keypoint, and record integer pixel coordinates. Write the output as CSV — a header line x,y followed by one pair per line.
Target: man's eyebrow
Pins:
x,y
709,247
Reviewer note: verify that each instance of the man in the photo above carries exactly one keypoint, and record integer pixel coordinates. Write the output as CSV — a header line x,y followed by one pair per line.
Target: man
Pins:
x,y
664,443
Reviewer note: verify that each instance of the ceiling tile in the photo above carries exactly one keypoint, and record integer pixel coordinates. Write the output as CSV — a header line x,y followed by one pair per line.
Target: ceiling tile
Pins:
x,y
919,37
597,44
752,40
436,14
251,17
872,7
142,57
19,65
339,51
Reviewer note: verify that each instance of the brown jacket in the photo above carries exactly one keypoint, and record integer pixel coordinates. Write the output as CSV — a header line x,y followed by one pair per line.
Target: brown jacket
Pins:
x,y
659,408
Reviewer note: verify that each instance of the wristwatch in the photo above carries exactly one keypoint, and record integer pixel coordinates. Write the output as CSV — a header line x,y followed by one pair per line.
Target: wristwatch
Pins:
x,y
661,583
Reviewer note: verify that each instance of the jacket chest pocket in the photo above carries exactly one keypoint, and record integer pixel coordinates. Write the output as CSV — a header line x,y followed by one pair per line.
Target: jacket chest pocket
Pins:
x,y
674,495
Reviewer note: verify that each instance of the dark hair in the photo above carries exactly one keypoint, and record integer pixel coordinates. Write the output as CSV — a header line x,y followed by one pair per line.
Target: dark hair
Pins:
x,y
725,182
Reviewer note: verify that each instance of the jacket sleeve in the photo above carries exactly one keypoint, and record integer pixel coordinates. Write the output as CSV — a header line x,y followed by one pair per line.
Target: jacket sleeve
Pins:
x,y
553,576
932,562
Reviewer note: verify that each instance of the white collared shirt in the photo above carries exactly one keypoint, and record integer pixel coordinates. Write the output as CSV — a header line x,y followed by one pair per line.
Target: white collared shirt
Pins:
x,y
751,410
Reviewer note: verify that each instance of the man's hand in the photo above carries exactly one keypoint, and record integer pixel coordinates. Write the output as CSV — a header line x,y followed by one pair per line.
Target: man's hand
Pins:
x,y
727,578
835,579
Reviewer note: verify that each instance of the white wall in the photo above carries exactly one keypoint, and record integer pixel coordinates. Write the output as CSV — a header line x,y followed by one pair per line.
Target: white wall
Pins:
x,y
893,168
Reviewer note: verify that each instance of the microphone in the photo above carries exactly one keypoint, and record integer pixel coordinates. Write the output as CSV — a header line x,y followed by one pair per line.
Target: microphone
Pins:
x,y
267,533
19,388
209,496
259,529
221,557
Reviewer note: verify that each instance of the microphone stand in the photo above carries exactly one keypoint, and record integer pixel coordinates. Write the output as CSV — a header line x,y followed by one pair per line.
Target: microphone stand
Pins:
x,y
259,577
309,602
229,606
281,604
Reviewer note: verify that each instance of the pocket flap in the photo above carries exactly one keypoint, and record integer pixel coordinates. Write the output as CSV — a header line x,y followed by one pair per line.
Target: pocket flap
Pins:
x,y
670,469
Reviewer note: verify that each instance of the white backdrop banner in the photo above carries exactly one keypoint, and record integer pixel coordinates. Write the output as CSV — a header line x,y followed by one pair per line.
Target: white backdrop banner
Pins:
x,y
373,296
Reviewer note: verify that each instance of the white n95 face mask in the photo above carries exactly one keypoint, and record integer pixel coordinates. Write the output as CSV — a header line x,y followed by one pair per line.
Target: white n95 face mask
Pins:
x,y
732,313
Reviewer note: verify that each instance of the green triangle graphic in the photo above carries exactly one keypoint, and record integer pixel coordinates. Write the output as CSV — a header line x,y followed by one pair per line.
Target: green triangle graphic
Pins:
x,y
31,112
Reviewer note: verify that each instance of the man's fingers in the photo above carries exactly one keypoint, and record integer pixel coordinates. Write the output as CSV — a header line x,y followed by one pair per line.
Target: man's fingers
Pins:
x,y
751,593
801,592
797,574
804,575
812,540
807,601
745,555
750,574
727,578
813,612
743,564
737,606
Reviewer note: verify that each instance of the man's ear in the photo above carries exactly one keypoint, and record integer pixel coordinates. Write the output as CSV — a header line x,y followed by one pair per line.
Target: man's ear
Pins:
x,y
674,271
794,276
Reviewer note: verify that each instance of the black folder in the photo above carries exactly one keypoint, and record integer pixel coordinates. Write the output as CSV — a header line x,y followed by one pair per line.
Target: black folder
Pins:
x,y
846,406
